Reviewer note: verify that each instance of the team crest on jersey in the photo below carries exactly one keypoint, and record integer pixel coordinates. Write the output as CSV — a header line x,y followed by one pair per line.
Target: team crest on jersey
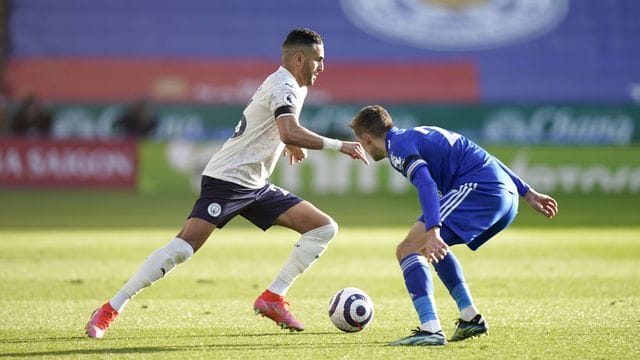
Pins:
x,y
214,209
456,24
396,161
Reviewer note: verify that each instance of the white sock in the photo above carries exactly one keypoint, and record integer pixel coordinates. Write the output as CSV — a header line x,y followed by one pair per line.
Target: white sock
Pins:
x,y
157,265
305,252
468,313
431,326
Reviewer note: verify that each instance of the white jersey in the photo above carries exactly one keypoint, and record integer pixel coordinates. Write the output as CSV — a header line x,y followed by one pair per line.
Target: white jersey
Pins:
x,y
250,155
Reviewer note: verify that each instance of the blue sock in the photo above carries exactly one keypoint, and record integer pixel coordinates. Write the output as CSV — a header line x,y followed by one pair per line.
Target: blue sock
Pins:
x,y
450,273
417,278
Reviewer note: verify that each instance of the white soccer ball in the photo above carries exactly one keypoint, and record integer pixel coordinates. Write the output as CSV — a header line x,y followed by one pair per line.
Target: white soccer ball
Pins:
x,y
351,309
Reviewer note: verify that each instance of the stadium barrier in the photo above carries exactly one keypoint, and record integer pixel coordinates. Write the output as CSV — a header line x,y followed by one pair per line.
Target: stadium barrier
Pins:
x,y
158,167
39,163
177,165
487,124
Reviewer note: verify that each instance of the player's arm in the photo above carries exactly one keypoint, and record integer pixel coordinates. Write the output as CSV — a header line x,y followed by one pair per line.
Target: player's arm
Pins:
x,y
522,186
292,133
294,153
416,171
419,176
542,203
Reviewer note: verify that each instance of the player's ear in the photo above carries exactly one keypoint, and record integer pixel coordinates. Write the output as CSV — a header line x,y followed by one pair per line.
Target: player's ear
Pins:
x,y
366,138
298,57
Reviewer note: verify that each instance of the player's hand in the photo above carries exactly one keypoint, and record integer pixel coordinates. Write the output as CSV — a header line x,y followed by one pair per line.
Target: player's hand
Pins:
x,y
294,154
542,203
355,150
435,248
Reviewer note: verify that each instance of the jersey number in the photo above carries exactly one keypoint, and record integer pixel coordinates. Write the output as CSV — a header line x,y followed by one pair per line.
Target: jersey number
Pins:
x,y
450,136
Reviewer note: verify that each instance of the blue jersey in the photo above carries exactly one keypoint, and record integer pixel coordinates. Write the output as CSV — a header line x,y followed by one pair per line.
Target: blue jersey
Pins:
x,y
436,161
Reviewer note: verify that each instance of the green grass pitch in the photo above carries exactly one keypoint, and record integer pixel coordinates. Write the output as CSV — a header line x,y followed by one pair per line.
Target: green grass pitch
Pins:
x,y
557,293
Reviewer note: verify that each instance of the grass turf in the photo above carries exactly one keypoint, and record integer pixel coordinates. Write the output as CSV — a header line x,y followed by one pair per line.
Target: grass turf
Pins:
x,y
547,293
70,209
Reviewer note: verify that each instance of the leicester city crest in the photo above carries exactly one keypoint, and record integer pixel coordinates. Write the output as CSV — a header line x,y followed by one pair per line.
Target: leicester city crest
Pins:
x,y
456,25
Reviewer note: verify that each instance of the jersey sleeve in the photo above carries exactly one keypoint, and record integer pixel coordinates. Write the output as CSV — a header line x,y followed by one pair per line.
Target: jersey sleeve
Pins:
x,y
428,195
282,99
405,158
522,186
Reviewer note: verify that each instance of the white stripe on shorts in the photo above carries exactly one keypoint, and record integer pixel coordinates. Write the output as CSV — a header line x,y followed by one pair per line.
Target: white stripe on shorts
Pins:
x,y
456,199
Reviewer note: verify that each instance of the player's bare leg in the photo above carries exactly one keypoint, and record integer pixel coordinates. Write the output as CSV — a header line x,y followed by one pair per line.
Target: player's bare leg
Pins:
x,y
316,229
194,233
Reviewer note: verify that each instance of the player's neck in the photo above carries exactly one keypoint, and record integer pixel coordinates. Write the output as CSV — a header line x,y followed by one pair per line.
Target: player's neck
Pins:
x,y
293,73
379,144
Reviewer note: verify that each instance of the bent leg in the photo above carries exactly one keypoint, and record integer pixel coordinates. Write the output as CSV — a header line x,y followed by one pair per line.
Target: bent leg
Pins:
x,y
195,232
303,217
417,277
316,229
163,260
450,272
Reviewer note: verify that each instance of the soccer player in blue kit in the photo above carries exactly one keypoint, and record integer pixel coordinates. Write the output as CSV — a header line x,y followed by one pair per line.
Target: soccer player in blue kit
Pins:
x,y
467,196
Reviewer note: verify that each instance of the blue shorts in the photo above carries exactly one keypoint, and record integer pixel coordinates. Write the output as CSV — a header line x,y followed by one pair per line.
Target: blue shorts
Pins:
x,y
474,213
220,201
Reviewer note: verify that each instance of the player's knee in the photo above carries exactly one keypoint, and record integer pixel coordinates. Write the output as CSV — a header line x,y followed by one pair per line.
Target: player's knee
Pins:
x,y
179,250
402,251
399,253
329,231
332,230
324,233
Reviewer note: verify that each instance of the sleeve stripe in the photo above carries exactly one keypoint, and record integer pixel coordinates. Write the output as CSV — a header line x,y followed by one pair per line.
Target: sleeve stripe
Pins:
x,y
283,114
414,166
284,110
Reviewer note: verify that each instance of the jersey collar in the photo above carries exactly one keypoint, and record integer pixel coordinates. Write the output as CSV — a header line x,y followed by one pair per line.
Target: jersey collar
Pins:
x,y
290,75
388,136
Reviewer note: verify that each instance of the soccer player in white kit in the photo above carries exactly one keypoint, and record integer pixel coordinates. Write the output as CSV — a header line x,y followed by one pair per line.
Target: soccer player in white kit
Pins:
x,y
234,183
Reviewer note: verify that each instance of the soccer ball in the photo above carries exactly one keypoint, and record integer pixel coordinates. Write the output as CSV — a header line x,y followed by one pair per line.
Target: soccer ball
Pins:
x,y
351,309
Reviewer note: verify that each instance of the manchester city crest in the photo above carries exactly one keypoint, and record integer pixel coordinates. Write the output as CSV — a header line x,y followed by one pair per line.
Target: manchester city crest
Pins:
x,y
214,209
456,25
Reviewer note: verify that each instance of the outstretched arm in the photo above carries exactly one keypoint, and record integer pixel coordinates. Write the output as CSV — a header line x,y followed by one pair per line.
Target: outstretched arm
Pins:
x,y
292,133
542,203
522,186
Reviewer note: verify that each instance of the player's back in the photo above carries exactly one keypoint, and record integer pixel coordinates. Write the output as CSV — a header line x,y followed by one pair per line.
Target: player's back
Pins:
x,y
452,159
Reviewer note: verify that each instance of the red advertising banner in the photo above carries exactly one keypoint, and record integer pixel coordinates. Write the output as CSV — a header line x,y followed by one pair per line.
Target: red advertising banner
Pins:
x,y
31,163
234,81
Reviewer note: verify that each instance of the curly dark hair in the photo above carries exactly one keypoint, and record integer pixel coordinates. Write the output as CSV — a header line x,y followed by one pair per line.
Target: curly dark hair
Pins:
x,y
302,36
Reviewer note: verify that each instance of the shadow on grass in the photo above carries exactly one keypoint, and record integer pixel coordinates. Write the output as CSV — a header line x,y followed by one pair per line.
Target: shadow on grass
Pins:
x,y
235,346
147,336
215,345
129,350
